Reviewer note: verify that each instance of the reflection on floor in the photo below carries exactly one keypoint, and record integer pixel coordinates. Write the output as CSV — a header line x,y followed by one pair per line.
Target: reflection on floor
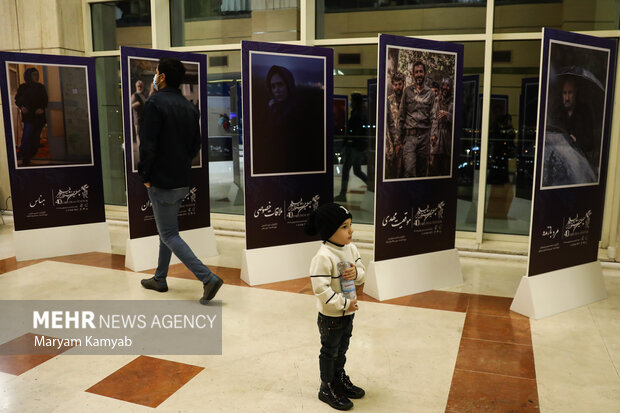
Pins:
x,y
457,350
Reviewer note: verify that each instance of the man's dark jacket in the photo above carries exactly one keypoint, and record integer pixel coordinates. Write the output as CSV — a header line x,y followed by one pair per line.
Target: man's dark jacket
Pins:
x,y
169,139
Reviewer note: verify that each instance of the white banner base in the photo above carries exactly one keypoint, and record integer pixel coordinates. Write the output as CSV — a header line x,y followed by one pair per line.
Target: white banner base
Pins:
x,y
141,253
279,263
413,274
561,290
32,244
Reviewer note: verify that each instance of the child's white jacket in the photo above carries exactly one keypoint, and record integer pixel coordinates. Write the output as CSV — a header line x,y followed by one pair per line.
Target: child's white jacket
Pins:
x,y
326,280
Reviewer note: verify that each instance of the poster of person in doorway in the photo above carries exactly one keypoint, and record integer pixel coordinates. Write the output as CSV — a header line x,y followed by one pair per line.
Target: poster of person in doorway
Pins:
x,y
51,125
50,115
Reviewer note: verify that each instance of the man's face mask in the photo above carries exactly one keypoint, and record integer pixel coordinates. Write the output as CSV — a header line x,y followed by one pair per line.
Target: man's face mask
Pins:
x,y
155,82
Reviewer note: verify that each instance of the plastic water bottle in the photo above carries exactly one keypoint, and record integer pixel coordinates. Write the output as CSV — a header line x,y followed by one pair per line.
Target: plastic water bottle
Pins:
x,y
348,286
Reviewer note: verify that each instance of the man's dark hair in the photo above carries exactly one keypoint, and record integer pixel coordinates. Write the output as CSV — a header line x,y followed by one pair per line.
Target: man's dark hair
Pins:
x,y
419,63
398,77
174,70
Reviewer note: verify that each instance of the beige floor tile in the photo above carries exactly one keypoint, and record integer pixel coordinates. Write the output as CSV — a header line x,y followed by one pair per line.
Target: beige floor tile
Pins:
x,y
7,249
572,332
490,277
575,382
403,356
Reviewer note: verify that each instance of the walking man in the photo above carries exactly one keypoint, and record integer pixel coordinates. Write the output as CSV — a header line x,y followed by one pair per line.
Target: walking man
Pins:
x,y
169,140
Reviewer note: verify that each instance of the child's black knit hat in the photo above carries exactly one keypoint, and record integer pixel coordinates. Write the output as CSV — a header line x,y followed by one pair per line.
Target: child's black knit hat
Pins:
x,y
326,219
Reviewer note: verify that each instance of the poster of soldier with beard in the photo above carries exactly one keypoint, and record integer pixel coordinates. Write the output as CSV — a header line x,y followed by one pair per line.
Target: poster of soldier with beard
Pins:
x,y
419,122
419,113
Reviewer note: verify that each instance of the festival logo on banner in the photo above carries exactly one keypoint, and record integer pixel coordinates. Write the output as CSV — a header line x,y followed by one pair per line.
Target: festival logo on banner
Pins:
x,y
288,110
138,67
419,127
52,139
573,142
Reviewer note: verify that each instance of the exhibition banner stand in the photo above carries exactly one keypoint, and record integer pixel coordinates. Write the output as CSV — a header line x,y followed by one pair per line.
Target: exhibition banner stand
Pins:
x,y
288,112
52,140
575,104
418,132
138,67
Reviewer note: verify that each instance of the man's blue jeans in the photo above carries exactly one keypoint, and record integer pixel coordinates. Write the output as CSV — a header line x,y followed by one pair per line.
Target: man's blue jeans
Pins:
x,y
166,204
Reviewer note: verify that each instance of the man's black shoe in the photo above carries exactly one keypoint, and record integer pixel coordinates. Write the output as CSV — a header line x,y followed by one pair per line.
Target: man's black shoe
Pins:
x,y
329,395
344,386
153,284
340,198
211,288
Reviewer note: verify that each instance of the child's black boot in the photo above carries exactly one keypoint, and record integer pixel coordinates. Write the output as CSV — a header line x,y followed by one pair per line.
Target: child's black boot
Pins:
x,y
344,386
329,395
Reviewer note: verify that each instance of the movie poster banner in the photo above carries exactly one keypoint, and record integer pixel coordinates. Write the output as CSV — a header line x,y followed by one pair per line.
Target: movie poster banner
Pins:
x,y
52,140
576,93
288,111
418,131
138,68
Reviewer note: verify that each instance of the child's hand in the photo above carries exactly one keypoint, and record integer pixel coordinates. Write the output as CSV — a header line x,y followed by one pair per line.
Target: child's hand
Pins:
x,y
353,306
350,273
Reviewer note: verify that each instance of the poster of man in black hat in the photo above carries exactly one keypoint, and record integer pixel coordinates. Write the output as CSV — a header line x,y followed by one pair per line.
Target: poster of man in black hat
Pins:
x,y
572,146
575,112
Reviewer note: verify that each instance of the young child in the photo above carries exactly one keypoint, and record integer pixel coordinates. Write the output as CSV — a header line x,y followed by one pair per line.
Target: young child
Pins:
x,y
336,312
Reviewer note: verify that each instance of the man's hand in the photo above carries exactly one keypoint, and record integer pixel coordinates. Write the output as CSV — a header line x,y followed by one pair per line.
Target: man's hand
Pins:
x,y
399,150
147,184
39,112
350,273
25,110
573,138
353,306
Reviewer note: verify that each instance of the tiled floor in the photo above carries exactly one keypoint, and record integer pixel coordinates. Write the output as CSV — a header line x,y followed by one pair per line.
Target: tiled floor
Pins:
x,y
459,350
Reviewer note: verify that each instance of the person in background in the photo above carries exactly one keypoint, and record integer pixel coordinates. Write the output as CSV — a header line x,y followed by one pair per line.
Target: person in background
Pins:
x,y
137,106
393,165
435,87
31,99
355,145
441,132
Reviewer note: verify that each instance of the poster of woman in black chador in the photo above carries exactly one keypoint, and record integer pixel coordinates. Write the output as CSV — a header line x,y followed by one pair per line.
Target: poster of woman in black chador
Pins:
x,y
288,114
287,137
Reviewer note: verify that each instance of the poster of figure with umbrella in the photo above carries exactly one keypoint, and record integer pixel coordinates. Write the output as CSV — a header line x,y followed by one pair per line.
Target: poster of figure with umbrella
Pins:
x,y
572,146
575,114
